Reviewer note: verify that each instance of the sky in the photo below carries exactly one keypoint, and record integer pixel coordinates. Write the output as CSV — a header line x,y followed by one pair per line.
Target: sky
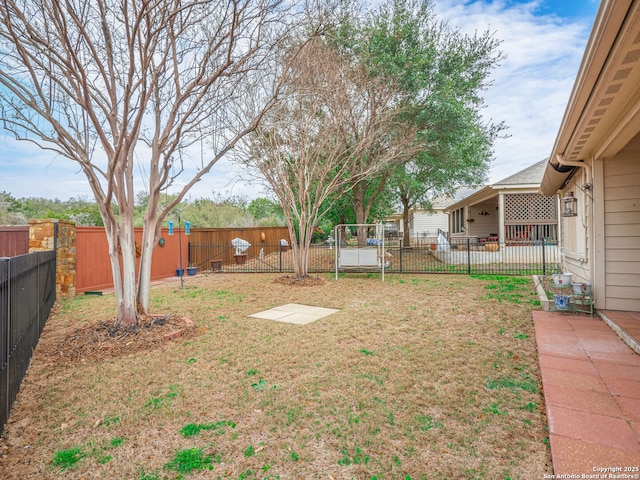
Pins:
x,y
543,41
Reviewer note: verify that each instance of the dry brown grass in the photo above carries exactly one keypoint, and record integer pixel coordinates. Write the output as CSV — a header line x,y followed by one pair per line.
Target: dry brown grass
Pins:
x,y
420,376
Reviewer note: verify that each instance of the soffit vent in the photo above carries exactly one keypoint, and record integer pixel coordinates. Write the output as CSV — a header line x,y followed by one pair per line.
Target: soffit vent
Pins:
x,y
622,73
632,56
613,89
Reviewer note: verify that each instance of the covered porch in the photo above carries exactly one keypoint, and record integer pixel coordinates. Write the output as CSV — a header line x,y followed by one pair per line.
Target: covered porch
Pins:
x,y
512,219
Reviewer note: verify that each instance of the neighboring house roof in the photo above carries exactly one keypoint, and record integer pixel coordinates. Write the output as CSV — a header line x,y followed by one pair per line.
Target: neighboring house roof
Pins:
x,y
529,177
603,112
440,203
532,175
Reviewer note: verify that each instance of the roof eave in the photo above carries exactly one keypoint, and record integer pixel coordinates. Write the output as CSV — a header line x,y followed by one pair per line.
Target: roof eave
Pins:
x,y
607,25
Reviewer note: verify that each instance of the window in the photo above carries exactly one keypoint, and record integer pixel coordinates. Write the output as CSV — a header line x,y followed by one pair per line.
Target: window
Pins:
x,y
457,221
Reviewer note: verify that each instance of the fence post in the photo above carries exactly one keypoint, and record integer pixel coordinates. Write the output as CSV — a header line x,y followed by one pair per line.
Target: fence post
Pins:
x,y
280,253
544,261
468,256
7,405
60,236
401,250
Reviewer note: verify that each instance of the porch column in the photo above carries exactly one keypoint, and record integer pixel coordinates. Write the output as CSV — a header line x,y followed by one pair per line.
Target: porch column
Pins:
x,y
501,238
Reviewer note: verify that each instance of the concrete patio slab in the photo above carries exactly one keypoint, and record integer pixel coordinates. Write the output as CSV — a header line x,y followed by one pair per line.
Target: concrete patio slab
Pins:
x,y
591,384
295,313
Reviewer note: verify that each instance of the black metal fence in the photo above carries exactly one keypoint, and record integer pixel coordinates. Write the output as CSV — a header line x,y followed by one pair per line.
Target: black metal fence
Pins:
x,y
27,293
524,258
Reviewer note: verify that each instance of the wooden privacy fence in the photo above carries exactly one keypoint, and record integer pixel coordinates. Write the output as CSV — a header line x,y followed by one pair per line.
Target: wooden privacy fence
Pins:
x,y
88,258
93,268
14,240
214,244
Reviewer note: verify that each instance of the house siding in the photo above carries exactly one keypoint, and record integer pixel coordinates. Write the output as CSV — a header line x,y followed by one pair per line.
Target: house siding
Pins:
x,y
483,225
622,230
577,230
425,225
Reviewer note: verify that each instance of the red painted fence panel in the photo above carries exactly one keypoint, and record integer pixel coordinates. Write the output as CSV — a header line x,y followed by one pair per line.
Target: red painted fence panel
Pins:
x,y
14,240
93,269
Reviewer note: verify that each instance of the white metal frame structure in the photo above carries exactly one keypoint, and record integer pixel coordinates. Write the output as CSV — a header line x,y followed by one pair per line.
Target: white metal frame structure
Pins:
x,y
360,258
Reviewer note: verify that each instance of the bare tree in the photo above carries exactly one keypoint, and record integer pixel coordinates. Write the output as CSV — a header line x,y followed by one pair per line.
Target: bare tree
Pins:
x,y
310,145
122,86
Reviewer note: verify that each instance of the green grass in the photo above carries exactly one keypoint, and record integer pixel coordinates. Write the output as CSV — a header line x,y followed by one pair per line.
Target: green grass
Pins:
x,y
525,383
426,422
65,459
187,460
162,400
513,289
109,421
416,377
193,429
358,457
148,476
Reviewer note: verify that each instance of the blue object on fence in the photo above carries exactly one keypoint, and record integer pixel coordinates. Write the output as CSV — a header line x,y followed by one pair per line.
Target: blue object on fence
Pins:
x,y
374,241
187,227
170,227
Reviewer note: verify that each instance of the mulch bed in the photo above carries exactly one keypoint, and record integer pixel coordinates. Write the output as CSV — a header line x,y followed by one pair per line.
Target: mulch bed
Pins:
x,y
100,341
307,281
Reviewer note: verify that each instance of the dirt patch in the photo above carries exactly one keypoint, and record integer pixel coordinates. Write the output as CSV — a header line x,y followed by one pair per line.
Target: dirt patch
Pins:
x,y
99,341
307,281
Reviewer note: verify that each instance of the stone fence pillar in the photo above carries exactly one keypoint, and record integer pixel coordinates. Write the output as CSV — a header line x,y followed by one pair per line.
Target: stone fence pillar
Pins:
x,y
59,235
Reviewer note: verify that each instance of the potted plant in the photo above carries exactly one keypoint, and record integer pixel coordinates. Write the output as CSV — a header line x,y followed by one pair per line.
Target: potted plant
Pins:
x,y
491,246
241,247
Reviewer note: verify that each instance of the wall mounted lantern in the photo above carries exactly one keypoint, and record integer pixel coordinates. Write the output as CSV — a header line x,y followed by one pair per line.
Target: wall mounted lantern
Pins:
x,y
569,205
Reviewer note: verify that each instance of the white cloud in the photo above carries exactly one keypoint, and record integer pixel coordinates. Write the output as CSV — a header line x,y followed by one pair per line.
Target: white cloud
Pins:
x,y
530,91
532,85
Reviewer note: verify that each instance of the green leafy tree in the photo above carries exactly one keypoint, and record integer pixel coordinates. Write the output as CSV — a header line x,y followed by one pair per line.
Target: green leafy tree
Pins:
x,y
82,211
266,212
8,213
433,174
440,74
217,213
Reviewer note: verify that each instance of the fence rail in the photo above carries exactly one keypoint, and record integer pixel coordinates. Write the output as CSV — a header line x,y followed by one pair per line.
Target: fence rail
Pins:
x,y
467,258
27,293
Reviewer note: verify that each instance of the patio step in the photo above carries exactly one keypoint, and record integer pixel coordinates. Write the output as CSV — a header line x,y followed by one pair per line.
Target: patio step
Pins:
x,y
626,325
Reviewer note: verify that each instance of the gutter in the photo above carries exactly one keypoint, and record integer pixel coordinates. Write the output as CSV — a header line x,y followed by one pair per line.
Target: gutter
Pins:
x,y
556,175
568,163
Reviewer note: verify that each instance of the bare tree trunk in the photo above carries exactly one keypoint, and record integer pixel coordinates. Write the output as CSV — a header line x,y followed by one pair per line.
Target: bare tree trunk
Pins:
x,y
114,257
300,246
127,311
150,236
362,212
406,241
